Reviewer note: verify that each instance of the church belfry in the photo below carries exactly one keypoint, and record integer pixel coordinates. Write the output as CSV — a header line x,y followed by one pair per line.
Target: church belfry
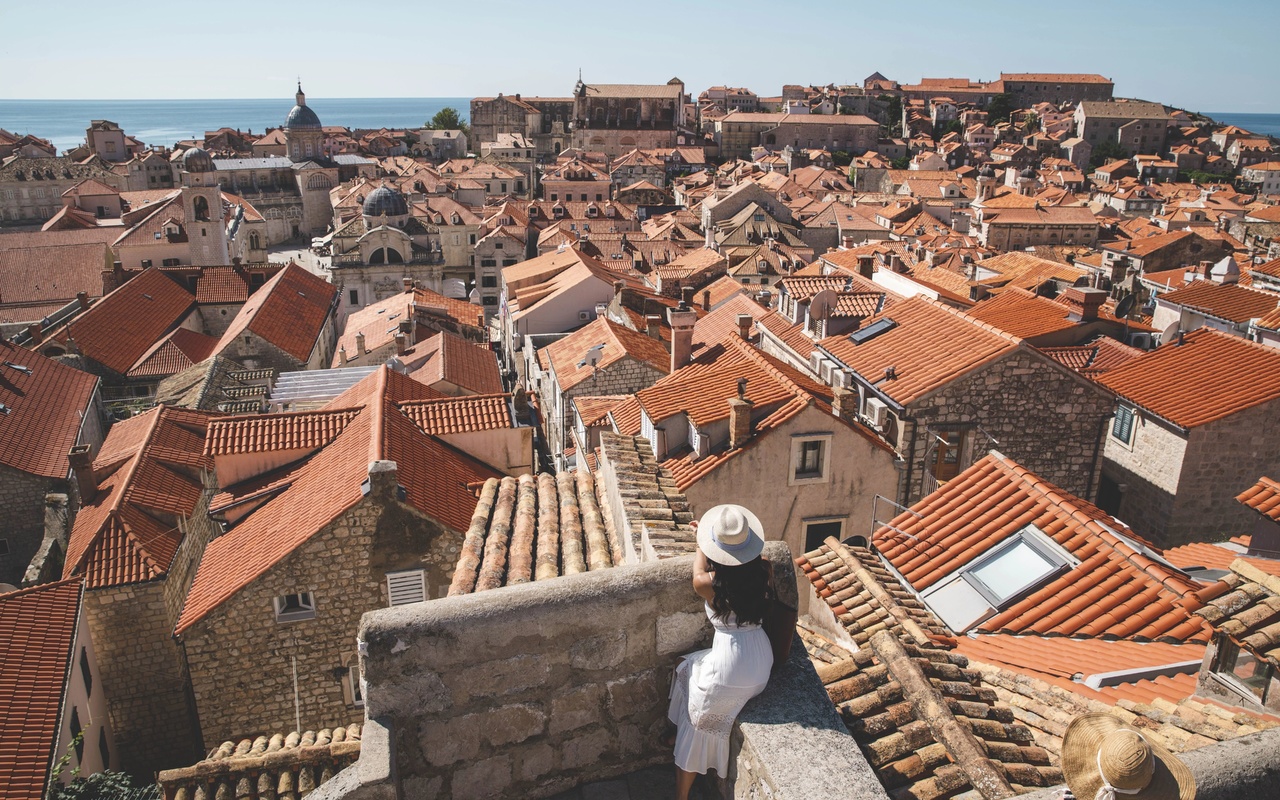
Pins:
x,y
303,135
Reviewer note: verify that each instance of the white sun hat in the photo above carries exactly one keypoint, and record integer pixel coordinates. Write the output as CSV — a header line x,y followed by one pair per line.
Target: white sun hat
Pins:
x,y
731,535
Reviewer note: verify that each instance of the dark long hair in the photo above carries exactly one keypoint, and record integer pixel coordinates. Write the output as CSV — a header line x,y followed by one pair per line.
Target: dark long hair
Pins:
x,y
745,590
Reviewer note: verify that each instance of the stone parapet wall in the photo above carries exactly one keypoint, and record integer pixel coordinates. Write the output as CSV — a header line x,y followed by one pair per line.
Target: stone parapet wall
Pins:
x,y
530,690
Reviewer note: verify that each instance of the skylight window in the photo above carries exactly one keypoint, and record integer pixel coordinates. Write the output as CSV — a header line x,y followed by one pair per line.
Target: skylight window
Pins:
x,y
1012,569
873,330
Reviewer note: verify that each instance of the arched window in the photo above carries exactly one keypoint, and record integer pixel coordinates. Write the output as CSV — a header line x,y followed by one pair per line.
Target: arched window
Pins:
x,y
200,207
255,241
319,181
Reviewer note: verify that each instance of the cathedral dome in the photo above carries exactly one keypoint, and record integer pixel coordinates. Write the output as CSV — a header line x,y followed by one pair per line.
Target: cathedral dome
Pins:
x,y
986,171
300,116
385,200
197,160
1029,172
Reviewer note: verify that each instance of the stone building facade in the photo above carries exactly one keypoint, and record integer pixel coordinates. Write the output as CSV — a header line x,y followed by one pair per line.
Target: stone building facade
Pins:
x,y
1178,485
242,661
143,671
22,503
618,118
739,132
31,188
543,120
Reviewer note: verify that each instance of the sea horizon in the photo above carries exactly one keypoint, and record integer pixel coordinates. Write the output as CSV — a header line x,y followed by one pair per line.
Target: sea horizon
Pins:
x,y
164,121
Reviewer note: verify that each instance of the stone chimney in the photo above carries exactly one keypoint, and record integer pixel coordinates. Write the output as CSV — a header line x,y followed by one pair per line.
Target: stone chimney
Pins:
x,y
653,326
383,482
686,296
1083,303
402,343
405,326
846,242
37,332
844,404
83,299
706,299
681,319
745,323
360,344
81,460
342,356
867,266
408,284
618,286
739,417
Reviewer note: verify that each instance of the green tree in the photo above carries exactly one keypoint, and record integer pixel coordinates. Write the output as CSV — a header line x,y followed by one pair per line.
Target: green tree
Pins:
x,y
448,119
1031,122
841,158
893,110
901,163
999,109
106,785
1108,150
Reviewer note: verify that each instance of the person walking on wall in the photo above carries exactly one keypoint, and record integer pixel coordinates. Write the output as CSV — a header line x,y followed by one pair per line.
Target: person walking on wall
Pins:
x,y
711,686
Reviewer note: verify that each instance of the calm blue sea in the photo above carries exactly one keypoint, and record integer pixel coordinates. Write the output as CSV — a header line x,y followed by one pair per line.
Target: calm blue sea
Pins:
x,y
164,122
1265,124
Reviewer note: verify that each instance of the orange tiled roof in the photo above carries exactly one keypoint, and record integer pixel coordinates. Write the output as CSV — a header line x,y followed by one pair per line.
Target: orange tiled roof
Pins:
x,y
1094,358
149,474
1209,376
619,342
379,322
1246,611
593,409
448,415
298,430
436,303
1218,555
1117,591
123,326
789,333
1225,301
929,346
1021,313
310,495
450,358
182,348
713,328
45,410
38,627
1263,497
289,311
1058,660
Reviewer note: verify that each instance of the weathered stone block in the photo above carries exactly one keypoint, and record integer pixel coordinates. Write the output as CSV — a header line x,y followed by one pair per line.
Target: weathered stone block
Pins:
x,y
514,723
599,652
585,750
534,762
633,694
681,633
488,778
576,708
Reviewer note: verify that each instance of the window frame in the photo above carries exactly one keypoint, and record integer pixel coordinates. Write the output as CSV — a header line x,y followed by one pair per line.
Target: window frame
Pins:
x,y
1132,415
798,444
405,575
1038,541
805,524
1226,673
306,609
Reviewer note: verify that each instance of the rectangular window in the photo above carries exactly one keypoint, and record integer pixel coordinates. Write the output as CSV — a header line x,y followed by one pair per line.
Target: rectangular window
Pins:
x,y
76,734
354,297
809,455
489,281
816,532
1244,668
406,587
104,749
295,607
1122,427
357,687
85,672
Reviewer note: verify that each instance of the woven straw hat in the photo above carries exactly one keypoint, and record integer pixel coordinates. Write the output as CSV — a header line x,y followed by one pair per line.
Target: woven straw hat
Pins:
x,y
1103,759
730,535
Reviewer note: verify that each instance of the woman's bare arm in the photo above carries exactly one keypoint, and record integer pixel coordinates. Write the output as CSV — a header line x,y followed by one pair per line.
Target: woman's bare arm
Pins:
x,y
702,578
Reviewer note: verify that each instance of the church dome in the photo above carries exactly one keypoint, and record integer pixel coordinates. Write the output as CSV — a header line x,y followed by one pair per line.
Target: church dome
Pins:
x,y
300,116
986,171
1029,172
385,200
197,160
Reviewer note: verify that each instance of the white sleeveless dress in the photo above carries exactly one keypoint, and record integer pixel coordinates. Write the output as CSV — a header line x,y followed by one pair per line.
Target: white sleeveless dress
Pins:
x,y
710,688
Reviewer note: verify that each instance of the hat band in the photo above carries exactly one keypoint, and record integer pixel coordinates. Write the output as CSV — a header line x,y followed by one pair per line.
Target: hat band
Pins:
x,y
1106,791
746,542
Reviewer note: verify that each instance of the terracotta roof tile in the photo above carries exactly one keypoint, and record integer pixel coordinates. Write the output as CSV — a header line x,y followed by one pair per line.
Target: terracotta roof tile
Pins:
x,y
300,430
217,285
149,469
789,333
181,349
1022,314
1224,301
1247,611
929,346
567,354
594,410
460,414
1210,375
1093,358
435,303
446,357
434,475
1116,591
125,325
715,327
378,322
45,409
38,627
40,275
289,311
1218,555
1263,497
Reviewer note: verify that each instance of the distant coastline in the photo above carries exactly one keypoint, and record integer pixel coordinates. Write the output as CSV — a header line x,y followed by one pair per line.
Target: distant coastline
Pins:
x,y
163,122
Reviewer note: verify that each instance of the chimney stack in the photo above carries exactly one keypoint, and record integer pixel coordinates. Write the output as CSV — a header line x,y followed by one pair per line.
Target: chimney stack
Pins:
x,y
706,299
618,286
739,417
360,344
653,326
844,404
408,284
83,299
744,326
1083,303
867,266
402,343
81,461
846,242
342,356
37,332
686,296
681,319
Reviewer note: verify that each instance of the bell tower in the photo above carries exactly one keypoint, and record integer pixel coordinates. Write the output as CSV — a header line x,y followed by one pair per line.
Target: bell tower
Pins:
x,y
205,224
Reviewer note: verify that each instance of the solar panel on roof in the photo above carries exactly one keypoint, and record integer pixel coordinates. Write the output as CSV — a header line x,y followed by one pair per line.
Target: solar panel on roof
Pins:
x,y
873,330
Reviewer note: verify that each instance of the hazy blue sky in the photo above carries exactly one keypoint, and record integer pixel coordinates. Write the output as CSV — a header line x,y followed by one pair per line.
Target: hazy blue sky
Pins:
x,y
1202,56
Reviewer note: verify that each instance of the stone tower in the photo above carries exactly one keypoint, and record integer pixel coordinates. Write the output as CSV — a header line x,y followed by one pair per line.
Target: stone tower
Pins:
x,y
303,134
202,201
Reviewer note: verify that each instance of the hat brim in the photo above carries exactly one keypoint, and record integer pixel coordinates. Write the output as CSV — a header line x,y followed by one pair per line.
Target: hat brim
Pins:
x,y
1171,779
749,550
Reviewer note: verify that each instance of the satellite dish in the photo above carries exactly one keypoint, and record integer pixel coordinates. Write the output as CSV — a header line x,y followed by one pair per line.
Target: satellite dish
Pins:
x,y
1170,333
1125,307
822,304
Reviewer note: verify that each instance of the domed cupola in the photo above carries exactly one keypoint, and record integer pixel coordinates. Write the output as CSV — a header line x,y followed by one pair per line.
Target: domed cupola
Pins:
x,y
300,116
385,200
197,160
